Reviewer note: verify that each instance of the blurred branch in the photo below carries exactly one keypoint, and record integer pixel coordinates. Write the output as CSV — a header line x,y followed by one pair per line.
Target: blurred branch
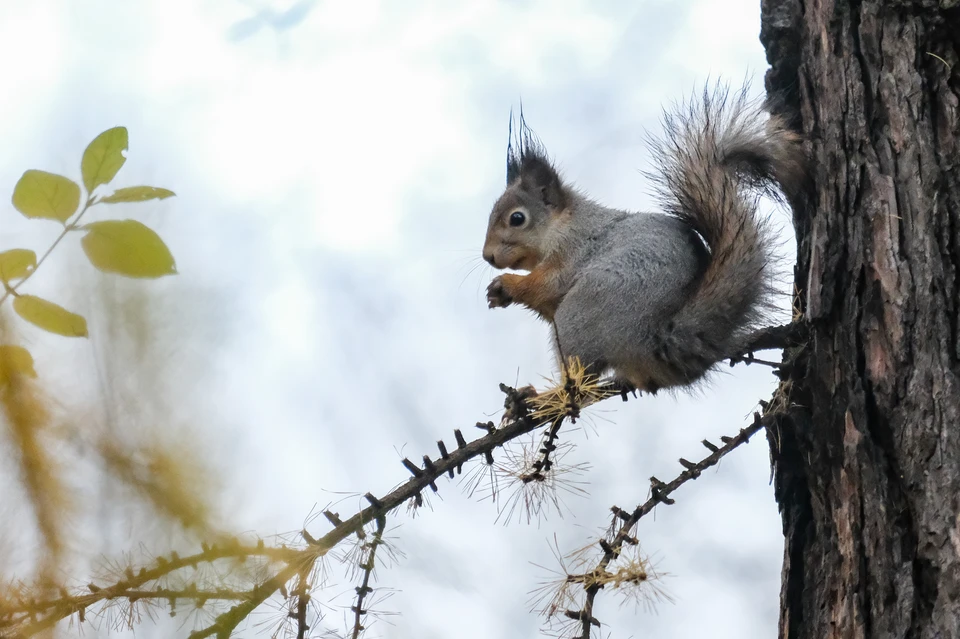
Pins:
x,y
43,614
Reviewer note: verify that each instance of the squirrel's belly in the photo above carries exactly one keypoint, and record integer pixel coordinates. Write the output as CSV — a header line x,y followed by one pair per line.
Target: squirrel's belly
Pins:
x,y
647,375
617,328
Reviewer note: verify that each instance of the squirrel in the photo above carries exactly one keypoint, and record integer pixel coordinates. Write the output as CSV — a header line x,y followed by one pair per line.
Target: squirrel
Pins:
x,y
656,298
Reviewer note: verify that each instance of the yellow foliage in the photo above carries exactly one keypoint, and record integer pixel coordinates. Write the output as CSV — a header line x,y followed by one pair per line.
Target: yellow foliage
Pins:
x,y
28,421
103,157
48,196
49,316
137,194
15,361
127,247
16,263
170,477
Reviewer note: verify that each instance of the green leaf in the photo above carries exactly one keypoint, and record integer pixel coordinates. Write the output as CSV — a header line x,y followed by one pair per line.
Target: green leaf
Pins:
x,y
137,194
49,196
16,263
49,316
127,247
103,157
15,360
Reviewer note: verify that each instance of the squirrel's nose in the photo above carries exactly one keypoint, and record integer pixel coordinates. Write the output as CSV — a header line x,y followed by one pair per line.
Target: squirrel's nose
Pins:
x,y
488,256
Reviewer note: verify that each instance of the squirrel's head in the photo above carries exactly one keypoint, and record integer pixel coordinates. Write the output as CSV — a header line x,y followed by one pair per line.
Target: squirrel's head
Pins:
x,y
523,225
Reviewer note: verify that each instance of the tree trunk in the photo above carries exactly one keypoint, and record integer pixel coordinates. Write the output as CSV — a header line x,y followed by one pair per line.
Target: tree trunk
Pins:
x,y
867,461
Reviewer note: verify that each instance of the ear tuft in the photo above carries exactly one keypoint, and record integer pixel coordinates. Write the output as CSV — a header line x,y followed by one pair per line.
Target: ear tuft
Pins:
x,y
527,163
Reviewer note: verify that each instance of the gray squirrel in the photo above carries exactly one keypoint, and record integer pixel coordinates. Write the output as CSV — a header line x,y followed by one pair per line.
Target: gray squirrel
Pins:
x,y
658,298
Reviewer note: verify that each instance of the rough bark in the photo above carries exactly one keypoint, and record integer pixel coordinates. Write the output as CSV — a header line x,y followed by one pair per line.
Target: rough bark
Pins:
x,y
867,464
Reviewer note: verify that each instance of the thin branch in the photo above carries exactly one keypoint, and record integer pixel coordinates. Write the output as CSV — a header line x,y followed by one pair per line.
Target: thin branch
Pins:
x,y
482,446
62,607
67,227
227,622
303,600
364,588
660,494
772,337
191,593
543,465
194,594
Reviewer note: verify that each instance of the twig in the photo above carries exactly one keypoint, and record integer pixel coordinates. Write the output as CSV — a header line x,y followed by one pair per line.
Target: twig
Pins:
x,y
772,337
12,290
548,445
660,494
303,599
57,609
191,592
416,484
227,622
364,588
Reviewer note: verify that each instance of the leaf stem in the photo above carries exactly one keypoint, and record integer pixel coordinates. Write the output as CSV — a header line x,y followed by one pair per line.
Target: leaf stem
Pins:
x,y
67,227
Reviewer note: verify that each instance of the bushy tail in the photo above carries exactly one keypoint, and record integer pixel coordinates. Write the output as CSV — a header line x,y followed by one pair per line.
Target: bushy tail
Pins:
x,y
719,154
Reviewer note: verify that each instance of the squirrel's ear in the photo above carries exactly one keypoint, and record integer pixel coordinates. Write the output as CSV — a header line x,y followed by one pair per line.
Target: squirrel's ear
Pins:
x,y
539,178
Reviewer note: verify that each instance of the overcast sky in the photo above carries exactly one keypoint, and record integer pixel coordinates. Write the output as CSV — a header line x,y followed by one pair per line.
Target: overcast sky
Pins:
x,y
334,164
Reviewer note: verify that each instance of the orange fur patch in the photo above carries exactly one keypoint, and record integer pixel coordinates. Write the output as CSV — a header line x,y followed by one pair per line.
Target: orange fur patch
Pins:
x,y
539,291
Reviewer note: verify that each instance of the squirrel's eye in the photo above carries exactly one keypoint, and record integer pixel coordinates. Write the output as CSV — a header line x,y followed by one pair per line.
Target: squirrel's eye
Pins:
x,y
517,218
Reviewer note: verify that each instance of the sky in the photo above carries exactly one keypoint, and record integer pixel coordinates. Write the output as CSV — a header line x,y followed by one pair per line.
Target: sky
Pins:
x,y
335,164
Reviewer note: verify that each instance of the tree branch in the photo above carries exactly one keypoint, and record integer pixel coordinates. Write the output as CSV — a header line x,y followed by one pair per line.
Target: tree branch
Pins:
x,y
364,588
228,621
660,494
64,606
772,337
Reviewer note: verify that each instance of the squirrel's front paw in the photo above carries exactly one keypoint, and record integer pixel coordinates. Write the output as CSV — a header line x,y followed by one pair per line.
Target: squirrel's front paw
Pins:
x,y
497,296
